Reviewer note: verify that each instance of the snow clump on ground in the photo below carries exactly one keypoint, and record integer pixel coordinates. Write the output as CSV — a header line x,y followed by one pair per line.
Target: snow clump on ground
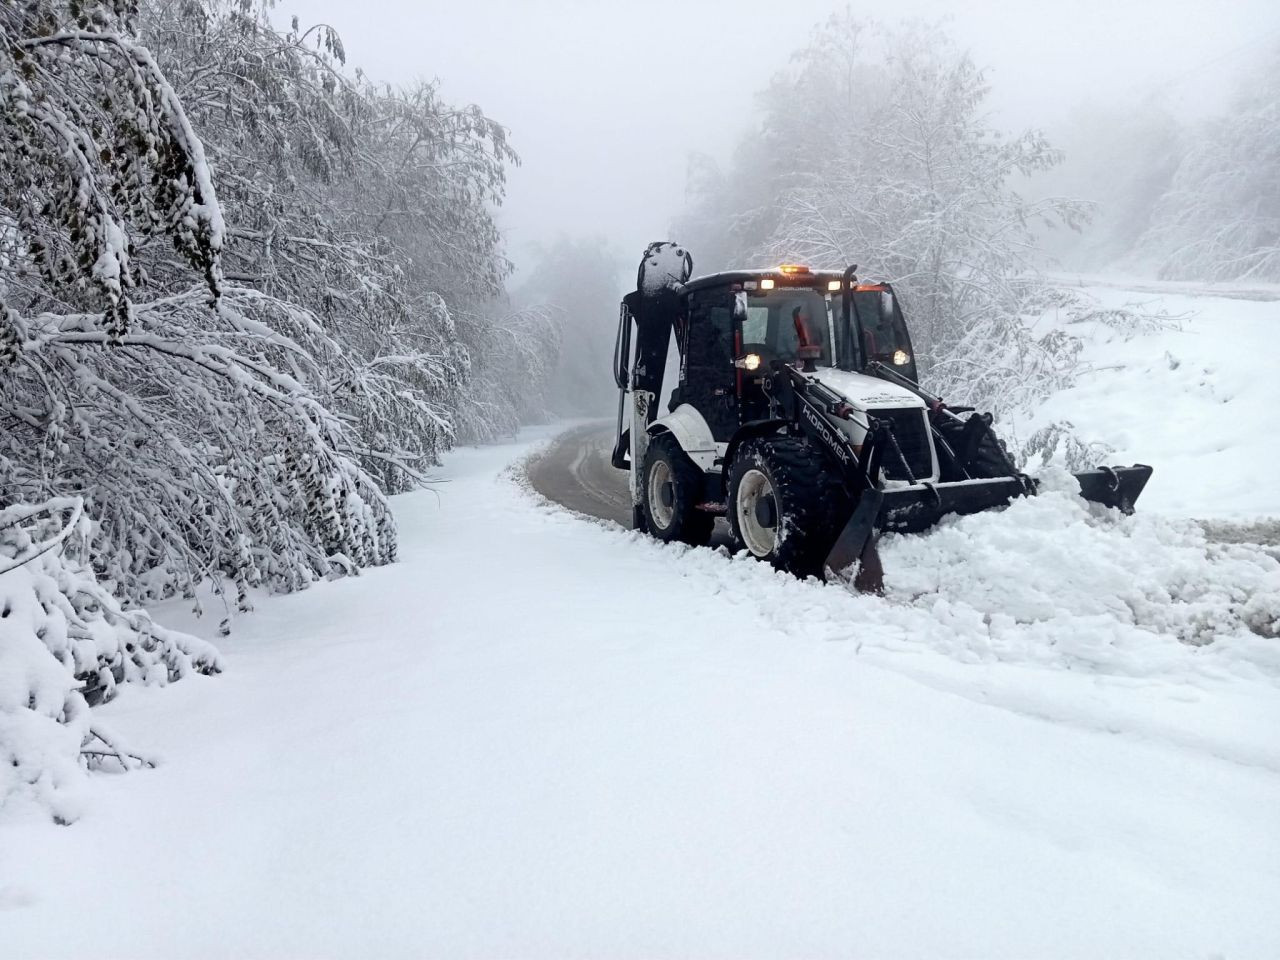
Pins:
x,y
1060,579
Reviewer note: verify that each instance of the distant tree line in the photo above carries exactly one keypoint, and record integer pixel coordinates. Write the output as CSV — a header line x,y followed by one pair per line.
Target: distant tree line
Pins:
x,y
876,146
1195,200
1217,214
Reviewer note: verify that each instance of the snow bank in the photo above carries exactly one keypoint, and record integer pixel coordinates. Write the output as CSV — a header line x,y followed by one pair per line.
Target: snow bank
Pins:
x,y
65,642
1053,579
1197,401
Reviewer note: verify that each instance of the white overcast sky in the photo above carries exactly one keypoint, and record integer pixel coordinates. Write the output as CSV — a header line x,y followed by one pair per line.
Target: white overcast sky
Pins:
x,y
605,100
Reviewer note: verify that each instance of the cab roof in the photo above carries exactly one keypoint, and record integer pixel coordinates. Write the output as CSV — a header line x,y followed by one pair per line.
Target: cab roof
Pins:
x,y
784,278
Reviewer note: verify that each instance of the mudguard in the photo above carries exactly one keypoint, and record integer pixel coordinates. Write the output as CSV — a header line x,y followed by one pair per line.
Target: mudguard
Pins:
x,y
690,428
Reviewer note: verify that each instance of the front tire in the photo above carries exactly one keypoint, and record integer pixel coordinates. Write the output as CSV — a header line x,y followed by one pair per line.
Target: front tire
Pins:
x,y
784,504
670,488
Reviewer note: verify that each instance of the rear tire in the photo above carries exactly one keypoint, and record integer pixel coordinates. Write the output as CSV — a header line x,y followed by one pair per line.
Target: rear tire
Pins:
x,y
785,504
670,488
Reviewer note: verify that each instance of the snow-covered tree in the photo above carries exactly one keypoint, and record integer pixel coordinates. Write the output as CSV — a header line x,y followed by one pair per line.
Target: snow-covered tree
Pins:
x,y
874,148
516,352
433,176
1220,217
186,409
369,206
229,277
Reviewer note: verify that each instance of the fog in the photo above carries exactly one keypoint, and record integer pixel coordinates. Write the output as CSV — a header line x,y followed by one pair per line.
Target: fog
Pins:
x,y
605,101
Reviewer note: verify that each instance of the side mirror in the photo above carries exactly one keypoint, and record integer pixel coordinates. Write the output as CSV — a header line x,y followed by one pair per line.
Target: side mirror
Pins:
x,y
740,307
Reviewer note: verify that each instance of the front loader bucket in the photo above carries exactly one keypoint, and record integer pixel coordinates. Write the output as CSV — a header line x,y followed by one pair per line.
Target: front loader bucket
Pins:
x,y
914,509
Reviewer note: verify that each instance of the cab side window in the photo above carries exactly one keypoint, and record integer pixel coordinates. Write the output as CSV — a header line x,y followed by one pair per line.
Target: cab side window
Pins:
x,y
755,327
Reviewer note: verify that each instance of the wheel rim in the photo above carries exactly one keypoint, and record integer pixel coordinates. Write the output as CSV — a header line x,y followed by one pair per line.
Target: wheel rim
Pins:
x,y
753,488
661,508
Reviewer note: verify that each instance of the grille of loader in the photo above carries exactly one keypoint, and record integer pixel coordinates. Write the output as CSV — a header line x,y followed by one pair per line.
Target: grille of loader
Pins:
x,y
911,428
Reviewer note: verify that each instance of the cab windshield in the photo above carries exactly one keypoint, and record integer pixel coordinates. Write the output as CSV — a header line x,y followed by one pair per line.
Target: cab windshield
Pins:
x,y
776,320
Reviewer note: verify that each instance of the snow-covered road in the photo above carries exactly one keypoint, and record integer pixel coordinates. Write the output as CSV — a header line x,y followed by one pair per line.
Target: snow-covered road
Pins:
x,y
539,736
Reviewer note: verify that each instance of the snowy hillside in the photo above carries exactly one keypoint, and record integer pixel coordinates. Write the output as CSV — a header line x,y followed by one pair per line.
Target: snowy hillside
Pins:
x,y
1198,401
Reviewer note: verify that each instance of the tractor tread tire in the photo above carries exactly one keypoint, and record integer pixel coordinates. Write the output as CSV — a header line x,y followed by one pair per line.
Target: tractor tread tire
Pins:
x,y
688,524
809,495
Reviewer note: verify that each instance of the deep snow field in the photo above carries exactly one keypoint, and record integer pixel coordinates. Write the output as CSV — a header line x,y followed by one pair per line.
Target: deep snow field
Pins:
x,y
540,736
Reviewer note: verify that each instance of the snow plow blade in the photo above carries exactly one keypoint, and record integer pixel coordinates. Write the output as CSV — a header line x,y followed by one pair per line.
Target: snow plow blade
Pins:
x,y
916,508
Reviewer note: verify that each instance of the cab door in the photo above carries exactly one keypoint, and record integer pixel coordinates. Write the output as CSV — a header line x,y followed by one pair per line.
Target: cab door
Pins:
x,y
882,330
708,379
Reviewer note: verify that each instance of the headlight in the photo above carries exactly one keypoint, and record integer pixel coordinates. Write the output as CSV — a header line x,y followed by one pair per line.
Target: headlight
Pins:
x,y
901,358
751,361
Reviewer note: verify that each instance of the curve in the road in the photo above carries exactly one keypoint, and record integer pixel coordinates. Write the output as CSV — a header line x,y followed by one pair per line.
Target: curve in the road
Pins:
x,y
575,472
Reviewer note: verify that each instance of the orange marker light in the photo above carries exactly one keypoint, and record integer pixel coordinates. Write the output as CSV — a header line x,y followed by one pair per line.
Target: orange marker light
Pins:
x,y
790,269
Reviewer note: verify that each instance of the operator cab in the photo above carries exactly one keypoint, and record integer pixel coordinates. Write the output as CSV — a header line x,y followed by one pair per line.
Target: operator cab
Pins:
x,y
736,329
